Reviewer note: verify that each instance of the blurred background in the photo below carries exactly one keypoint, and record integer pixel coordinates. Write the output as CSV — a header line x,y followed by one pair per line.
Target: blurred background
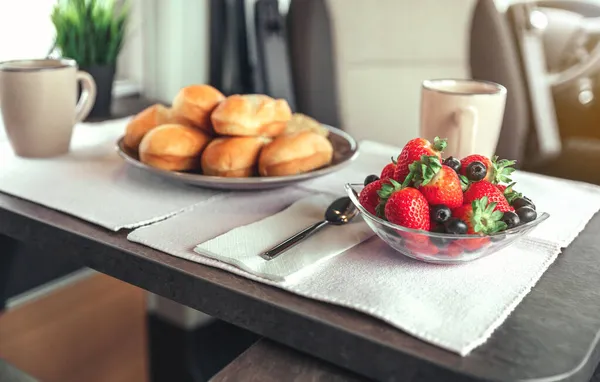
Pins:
x,y
354,64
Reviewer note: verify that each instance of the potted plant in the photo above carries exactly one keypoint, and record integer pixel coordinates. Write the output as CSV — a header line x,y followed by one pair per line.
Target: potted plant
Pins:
x,y
92,33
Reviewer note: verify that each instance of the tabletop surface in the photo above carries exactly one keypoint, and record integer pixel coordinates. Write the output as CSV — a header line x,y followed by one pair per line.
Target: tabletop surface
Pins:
x,y
552,335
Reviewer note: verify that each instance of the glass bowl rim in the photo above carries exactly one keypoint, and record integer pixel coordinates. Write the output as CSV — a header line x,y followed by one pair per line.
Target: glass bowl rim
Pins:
x,y
516,230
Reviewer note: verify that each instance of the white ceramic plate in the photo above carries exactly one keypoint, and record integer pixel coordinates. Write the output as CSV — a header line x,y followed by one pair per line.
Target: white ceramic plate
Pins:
x,y
345,150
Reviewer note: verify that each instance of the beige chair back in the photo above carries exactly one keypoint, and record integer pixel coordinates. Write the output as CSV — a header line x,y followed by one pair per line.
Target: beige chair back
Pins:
x,y
494,56
359,64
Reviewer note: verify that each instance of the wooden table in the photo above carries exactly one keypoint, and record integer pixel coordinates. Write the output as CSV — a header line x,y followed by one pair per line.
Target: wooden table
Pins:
x,y
552,335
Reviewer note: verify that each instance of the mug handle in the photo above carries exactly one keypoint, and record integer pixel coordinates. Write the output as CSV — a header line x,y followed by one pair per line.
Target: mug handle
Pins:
x,y
466,120
88,95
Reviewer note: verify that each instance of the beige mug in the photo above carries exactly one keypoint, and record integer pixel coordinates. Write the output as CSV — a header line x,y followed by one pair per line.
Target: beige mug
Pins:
x,y
39,105
468,113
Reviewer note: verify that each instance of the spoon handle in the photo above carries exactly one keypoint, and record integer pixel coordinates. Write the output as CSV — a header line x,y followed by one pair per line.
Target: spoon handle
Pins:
x,y
289,243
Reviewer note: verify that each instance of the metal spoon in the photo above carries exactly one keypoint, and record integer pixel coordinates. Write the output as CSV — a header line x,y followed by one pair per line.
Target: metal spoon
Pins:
x,y
340,212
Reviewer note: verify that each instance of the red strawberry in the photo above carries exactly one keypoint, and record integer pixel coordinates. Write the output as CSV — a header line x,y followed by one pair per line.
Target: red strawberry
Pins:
x,y
422,248
404,206
438,183
388,170
413,151
480,216
498,171
454,249
501,187
473,244
483,188
369,198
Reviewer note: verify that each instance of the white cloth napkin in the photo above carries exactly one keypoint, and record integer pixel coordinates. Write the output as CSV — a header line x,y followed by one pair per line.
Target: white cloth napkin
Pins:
x,y
243,245
454,307
93,183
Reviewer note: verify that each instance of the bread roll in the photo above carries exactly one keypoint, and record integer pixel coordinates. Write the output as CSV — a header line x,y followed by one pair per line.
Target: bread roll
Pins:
x,y
143,122
295,154
251,115
173,147
302,122
195,103
233,157
170,117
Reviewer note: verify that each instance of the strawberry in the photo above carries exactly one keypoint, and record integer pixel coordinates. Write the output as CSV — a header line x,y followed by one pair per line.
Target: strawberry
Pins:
x,y
404,206
369,198
422,248
473,244
483,188
413,151
480,216
454,249
438,183
498,171
388,170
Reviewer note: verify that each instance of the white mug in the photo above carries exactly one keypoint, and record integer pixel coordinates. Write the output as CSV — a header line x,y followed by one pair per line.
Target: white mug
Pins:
x,y
468,113
40,104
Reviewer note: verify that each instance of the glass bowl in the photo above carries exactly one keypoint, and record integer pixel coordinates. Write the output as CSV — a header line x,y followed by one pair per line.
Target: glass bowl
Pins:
x,y
439,248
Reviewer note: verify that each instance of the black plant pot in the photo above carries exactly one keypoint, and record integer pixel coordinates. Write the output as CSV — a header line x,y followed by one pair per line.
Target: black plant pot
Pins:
x,y
104,77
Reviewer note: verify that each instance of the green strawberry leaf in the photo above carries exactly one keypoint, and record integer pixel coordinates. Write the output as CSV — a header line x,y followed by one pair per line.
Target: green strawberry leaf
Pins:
x,y
380,210
464,182
439,144
502,169
499,226
510,194
497,215
422,171
384,194
484,219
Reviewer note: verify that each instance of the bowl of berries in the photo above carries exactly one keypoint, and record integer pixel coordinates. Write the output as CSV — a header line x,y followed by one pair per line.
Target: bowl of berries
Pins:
x,y
446,211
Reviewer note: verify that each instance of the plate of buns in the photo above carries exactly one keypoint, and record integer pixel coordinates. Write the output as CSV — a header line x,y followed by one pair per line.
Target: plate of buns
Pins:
x,y
240,142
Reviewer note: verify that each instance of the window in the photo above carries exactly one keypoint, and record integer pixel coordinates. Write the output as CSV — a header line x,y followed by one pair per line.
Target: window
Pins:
x,y
26,31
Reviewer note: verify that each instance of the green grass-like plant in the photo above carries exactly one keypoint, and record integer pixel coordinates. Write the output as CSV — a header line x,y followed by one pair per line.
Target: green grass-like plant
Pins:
x,y
91,32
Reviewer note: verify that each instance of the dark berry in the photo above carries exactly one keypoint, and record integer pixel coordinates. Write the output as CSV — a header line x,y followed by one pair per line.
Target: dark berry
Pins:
x,y
440,241
371,179
511,219
456,226
526,214
476,171
522,202
453,163
440,213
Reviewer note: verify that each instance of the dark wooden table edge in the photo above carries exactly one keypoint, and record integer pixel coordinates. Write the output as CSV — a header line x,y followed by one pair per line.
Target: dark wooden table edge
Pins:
x,y
267,360
108,258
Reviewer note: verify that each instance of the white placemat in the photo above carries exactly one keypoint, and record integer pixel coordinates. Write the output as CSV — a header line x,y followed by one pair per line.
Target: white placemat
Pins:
x,y
570,204
454,307
93,183
243,245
